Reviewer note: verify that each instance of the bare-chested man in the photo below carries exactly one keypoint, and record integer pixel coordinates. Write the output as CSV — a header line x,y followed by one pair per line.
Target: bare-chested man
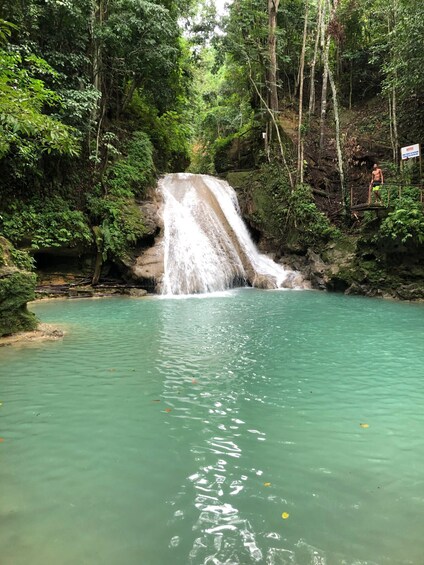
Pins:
x,y
377,181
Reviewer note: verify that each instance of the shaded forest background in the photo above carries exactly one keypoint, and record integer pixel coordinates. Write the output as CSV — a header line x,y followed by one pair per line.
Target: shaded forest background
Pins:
x,y
99,97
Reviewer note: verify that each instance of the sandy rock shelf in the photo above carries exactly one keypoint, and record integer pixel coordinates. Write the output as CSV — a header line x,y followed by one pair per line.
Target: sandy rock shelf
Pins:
x,y
44,332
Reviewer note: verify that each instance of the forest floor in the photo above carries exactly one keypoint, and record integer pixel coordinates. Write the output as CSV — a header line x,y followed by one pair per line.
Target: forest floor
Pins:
x,y
365,140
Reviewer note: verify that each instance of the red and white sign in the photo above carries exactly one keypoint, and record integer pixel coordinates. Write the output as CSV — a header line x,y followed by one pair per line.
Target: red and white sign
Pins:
x,y
410,152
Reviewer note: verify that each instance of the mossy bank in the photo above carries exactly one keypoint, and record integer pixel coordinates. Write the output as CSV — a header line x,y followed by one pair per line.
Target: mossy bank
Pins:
x,y
17,288
380,255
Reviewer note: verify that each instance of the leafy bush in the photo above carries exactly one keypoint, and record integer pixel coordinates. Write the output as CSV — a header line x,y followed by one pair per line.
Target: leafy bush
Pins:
x,y
170,132
41,224
406,222
135,172
290,216
22,259
25,129
120,223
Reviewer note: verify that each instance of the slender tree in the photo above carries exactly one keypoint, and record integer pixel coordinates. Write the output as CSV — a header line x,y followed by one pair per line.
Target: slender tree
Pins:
x,y
320,12
300,144
272,52
325,45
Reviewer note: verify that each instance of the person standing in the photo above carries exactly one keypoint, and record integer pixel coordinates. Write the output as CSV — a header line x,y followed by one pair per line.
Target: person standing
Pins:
x,y
377,181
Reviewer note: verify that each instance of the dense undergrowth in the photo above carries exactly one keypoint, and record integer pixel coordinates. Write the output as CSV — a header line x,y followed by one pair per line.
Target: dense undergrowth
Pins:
x,y
288,216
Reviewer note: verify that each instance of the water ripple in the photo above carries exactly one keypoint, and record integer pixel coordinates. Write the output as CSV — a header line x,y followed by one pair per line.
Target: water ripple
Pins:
x,y
180,431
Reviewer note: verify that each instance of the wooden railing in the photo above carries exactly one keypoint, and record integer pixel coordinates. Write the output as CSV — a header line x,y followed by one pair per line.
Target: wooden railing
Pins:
x,y
388,188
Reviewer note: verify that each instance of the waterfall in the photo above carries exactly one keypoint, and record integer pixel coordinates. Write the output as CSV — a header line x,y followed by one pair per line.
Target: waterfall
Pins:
x,y
207,247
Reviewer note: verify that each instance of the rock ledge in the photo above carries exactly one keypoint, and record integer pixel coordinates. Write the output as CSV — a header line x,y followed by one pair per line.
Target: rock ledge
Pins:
x,y
45,332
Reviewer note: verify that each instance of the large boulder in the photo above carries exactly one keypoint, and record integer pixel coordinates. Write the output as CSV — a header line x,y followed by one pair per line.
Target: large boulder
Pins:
x,y
147,269
17,287
151,218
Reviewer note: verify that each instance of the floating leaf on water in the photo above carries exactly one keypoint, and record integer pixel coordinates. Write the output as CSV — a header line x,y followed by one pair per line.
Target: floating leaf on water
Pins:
x,y
364,425
157,400
1,440
194,381
167,409
267,484
285,515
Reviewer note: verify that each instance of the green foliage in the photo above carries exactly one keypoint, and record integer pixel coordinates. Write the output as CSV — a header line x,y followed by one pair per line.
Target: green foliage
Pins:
x,y
290,216
140,41
25,129
173,135
12,257
6,29
22,259
118,220
16,289
134,173
404,69
223,111
406,223
120,224
41,224
170,132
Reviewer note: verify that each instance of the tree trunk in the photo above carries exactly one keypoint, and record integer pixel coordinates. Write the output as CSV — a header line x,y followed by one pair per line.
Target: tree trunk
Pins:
x,y
321,8
272,51
98,237
99,14
301,81
395,125
392,137
324,93
274,123
338,138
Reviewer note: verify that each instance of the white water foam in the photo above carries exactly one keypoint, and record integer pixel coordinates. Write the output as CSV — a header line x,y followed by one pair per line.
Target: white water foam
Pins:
x,y
207,245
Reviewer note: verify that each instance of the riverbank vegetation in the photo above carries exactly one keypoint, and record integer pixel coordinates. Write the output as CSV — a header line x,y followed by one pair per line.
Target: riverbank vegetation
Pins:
x,y
99,98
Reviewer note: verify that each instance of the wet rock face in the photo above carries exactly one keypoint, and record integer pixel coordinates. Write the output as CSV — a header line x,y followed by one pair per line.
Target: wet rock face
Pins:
x,y
148,267
263,281
410,292
317,271
151,218
145,268
16,289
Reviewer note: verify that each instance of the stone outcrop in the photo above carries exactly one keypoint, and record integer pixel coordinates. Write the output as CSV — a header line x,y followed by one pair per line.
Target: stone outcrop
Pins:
x,y
17,287
148,266
151,218
345,266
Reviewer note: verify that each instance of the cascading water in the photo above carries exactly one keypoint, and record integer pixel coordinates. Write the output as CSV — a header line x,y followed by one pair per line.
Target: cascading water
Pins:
x,y
207,247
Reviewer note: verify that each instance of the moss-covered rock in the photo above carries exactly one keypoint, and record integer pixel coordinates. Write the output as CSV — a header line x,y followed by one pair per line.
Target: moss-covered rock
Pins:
x,y
17,287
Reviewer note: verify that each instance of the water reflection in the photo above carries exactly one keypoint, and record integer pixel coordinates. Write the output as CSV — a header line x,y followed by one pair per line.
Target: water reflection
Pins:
x,y
210,354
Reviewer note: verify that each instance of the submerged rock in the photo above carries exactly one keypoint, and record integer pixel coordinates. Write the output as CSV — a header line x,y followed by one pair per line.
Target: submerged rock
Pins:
x,y
44,332
137,292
